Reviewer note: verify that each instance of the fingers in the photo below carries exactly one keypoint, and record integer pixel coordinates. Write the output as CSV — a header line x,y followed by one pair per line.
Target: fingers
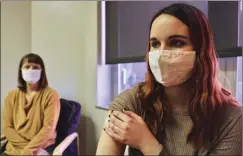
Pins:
x,y
123,117
132,115
116,129
117,122
113,135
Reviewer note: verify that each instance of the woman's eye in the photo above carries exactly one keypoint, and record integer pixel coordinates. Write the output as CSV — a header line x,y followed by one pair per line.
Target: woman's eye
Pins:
x,y
177,43
155,44
26,67
36,68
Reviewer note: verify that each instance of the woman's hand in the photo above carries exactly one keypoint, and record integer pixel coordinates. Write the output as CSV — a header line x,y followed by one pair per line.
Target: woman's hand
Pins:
x,y
26,151
42,152
130,129
35,153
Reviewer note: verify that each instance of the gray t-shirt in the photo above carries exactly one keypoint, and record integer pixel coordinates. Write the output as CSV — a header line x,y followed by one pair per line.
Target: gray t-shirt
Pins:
x,y
178,125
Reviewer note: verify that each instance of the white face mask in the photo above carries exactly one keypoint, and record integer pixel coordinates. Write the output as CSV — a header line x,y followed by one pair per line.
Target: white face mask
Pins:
x,y
170,67
31,76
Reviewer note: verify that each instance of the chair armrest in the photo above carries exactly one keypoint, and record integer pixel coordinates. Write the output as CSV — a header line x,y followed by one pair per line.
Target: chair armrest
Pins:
x,y
3,141
65,143
3,137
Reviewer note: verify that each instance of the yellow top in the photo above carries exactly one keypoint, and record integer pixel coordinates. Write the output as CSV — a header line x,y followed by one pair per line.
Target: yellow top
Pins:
x,y
30,126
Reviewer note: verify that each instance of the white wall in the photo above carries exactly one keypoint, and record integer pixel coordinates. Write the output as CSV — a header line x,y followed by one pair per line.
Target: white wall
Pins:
x,y
65,35
15,41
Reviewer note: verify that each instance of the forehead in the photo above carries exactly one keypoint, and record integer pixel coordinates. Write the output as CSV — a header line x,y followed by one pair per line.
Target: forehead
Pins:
x,y
27,62
167,25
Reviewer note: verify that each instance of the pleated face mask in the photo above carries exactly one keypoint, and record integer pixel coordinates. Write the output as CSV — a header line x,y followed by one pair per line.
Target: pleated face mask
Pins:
x,y
170,67
31,76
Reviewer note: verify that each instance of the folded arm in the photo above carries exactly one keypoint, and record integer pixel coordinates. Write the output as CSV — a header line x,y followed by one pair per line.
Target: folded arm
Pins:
x,y
51,115
8,128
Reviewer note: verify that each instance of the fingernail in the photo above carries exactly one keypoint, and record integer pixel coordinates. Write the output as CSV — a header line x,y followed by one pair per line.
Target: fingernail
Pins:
x,y
124,109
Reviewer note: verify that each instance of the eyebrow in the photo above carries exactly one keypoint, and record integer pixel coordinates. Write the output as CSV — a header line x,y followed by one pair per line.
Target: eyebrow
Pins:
x,y
178,36
171,37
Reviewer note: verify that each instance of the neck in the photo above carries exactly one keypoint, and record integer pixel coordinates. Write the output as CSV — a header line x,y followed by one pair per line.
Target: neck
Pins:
x,y
31,88
178,97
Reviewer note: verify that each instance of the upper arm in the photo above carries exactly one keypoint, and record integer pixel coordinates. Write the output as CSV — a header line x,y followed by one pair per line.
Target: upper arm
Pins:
x,y
52,111
8,127
108,146
7,112
231,144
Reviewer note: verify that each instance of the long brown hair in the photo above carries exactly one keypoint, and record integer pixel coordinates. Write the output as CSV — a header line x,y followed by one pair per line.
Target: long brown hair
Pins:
x,y
208,95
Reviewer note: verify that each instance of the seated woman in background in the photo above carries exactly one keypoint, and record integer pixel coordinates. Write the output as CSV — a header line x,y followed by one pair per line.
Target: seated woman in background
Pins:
x,y
31,111
180,109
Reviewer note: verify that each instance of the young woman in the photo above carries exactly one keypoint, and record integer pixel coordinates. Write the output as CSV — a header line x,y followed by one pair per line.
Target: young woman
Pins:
x,y
31,111
180,109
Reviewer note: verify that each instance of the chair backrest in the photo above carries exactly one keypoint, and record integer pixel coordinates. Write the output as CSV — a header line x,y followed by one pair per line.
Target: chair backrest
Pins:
x,y
68,123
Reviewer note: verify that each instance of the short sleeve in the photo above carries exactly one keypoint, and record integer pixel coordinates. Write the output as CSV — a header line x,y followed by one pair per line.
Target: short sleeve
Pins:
x,y
128,100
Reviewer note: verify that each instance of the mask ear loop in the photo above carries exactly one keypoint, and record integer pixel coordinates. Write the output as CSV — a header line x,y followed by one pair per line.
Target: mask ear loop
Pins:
x,y
158,54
